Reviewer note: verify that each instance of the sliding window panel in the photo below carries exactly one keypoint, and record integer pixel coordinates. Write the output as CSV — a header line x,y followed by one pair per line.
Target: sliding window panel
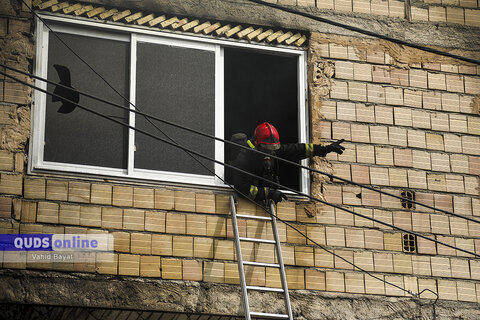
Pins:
x,y
176,84
73,135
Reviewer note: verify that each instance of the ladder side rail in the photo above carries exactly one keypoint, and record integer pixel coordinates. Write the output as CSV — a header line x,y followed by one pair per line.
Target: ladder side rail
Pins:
x,y
241,271
280,261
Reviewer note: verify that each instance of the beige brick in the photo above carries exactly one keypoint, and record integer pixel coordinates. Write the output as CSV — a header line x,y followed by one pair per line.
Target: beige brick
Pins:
x,y
443,249
175,223
133,219
349,194
392,241
182,246
106,263
383,216
339,90
344,70
379,176
374,285
384,114
316,233
232,277
379,134
354,283
128,265
391,290
162,244
466,291
122,196
47,212
112,218
458,123
101,194
412,98
205,203
460,268
384,156
34,188
450,102
69,214
6,207
342,218
373,239
375,93
436,182
184,201
459,163
440,224
216,226
383,262
335,281
355,238
453,143
421,265
421,222
314,280
394,96
196,225
363,260
472,85
471,145
293,236
203,247
418,78
397,136
430,284
214,272
338,51
456,184
397,177
465,244
11,184
143,198
6,160
323,259
447,289
437,14
402,263
343,5
326,215
141,243
360,133
455,15
164,199
154,221
440,267
222,204
193,270
90,216
473,125
335,236
440,162
357,91
432,100
458,226
79,192
150,266
172,269
121,241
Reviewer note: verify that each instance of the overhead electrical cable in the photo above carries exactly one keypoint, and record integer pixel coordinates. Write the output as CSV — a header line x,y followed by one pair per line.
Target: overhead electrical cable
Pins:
x,y
331,176
366,32
233,167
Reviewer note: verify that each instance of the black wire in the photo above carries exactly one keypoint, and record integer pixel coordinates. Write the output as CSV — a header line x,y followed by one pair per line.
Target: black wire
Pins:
x,y
366,32
235,168
148,116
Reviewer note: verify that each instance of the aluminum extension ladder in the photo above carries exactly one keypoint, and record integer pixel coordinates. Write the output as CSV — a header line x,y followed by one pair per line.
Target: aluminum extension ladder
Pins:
x,y
279,265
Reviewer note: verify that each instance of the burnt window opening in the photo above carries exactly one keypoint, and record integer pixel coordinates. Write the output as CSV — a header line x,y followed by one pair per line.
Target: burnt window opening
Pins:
x,y
409,243
409,197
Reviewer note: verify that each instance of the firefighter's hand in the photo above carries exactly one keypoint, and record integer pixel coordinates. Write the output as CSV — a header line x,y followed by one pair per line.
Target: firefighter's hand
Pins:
x,y
335,147
275,195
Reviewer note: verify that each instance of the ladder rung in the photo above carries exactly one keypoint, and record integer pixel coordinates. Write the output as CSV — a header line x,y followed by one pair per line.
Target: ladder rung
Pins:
x,y
246,216
256,240
261,264
264,289
269,315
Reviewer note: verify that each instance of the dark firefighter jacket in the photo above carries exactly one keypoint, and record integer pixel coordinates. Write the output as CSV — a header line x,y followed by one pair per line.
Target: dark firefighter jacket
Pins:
x,y
265,167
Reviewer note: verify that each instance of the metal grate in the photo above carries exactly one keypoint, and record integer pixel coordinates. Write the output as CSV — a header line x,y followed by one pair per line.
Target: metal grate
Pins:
x,y
409,243
410,195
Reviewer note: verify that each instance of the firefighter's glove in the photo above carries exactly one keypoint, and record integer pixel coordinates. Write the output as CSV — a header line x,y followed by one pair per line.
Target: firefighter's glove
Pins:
x,y
333,147
275,195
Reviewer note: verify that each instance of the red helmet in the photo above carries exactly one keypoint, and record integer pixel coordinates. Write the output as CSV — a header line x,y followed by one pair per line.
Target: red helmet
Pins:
x,y
267,135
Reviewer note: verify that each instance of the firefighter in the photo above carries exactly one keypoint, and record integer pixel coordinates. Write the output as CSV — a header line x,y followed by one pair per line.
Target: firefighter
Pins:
x,y
266,139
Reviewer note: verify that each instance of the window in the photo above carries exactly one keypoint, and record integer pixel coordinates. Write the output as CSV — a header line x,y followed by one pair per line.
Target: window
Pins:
x,y
215,86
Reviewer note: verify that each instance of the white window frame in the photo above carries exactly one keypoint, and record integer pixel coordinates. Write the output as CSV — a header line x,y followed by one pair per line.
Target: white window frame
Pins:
x,y
133,36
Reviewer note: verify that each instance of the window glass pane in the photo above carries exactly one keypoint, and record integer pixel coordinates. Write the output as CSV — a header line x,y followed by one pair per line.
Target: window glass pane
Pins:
x,y
262,87
80,137
176,84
